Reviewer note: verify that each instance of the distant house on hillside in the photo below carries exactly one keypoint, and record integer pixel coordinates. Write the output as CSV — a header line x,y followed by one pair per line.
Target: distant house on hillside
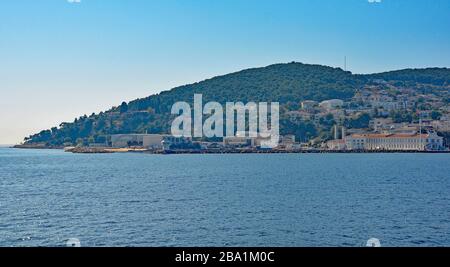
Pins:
x,y
308,105
331,104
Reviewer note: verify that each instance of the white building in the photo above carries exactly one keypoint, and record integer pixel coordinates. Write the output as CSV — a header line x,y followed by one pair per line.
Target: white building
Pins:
x,y
151,141
338,144
239,141
126,140
401,142
331,104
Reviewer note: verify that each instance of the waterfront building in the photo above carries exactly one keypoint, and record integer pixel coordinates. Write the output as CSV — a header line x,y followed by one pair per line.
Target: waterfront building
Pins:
x,y
397,141
211,146
127,140
170,142
287,142
338,144
148,141
287,139
153,141
239,141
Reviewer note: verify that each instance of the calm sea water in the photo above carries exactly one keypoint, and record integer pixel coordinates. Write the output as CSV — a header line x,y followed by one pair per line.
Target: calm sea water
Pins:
x,y
48,196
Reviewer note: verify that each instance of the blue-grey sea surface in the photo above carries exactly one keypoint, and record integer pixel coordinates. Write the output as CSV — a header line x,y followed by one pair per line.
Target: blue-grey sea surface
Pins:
x,y
49,196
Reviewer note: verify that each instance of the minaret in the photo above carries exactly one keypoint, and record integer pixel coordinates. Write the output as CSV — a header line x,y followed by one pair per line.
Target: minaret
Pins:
x,y
343,133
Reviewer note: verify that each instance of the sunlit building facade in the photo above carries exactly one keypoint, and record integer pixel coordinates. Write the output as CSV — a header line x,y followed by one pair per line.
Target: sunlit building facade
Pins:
x,y
400,142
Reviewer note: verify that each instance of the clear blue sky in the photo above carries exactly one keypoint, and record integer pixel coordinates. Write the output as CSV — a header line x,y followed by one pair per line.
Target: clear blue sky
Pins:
x,y
60,60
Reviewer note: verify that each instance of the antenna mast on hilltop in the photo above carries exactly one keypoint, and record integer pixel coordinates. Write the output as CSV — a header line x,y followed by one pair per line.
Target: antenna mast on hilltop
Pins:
x,y
345,63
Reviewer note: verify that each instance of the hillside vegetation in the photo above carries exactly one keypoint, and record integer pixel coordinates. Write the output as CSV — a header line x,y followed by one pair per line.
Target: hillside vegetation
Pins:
x,y
288,84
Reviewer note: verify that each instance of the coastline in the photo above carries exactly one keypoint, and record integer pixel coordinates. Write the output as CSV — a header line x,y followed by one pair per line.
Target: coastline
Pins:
x,y
109,150
35,146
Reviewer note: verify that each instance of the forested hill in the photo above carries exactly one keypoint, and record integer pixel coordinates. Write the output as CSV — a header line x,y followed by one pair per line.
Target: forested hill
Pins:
x,y
288,84
439,77
281,82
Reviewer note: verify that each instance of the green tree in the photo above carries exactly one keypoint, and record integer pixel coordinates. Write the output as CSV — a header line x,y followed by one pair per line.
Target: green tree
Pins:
x,y
123,107
91,140
399,117
360,122
436,115
80,141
